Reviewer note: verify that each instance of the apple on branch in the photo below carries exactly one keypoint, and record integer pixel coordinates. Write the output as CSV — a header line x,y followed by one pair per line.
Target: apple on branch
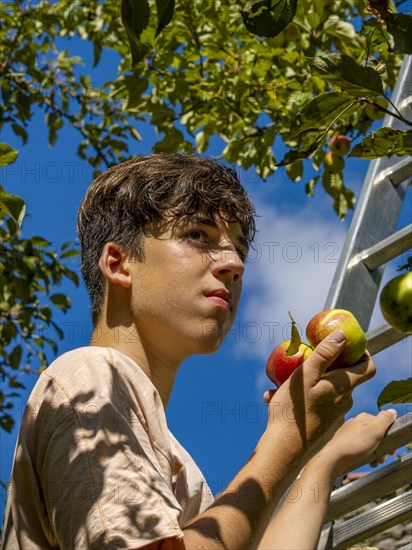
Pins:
x,y
340,145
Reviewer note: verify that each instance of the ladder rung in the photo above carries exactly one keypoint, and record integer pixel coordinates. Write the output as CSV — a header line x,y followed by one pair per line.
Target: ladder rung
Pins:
x,y
397,172
365,525
404,105
387,249
399,434
382,337
373,486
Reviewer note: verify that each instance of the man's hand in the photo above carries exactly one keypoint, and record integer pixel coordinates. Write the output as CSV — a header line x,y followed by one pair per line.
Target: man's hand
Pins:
x,y
355,440
314,401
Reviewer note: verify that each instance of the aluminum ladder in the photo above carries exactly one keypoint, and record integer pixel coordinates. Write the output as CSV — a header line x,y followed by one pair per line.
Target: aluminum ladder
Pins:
x,y
373,240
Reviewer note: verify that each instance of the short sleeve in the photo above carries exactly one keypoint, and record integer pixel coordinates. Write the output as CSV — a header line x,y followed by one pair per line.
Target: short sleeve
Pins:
x,y
100,484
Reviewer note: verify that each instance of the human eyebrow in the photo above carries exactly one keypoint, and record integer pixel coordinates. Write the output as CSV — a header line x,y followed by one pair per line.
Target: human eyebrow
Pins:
x,y
203,221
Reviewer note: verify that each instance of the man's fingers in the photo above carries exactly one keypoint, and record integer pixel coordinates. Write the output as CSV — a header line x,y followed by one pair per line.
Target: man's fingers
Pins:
x,y
387,418
267,396
350,377
324,355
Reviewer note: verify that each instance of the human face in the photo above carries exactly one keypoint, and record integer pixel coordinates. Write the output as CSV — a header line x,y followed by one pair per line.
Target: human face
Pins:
x,y
186,291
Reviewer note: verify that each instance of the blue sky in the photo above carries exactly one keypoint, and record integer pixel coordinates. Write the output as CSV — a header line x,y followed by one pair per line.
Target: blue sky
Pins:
x,y
216,409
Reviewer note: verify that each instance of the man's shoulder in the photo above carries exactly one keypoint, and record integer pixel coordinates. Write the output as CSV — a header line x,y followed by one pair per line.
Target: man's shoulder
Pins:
x,y
93,368
81,369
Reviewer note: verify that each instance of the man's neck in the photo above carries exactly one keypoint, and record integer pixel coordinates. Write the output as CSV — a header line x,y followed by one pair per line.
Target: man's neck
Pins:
x,y
127,341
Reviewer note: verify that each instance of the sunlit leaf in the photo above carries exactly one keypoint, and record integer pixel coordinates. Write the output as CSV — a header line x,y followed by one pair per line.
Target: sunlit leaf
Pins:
x,y
384,142
343,71
319,113
295,339
398,391
13,205
7,154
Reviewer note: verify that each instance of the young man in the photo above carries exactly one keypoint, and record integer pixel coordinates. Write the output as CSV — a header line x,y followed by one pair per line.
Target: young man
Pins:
x,y
164,239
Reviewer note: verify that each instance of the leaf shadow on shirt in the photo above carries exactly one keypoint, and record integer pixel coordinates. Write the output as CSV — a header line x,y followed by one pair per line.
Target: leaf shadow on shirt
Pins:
x,y
90,472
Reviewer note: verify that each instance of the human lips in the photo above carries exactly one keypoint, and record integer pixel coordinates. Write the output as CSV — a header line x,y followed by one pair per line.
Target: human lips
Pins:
x,y
220,297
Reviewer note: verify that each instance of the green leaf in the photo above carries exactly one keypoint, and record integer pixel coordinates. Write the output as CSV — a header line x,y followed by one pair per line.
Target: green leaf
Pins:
x,y
61,300
400,27
165,9
343,71
20,131
39,242
295,171
310,186
135,86
343,198
72,275
398,391
15,357
384,142
268,18
295,340
97,51
202,141
14,383
13,205
135,15
320,112
7,154
303,152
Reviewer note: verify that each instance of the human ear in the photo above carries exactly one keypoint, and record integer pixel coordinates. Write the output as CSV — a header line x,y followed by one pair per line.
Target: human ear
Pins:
x,y
112,264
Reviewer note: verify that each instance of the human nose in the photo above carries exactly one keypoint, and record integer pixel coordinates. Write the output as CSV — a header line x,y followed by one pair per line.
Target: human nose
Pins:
x,y
228,264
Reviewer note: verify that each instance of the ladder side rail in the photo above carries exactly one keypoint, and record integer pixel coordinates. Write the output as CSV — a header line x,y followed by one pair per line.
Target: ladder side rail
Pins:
x,y
372,486
367,524
372,221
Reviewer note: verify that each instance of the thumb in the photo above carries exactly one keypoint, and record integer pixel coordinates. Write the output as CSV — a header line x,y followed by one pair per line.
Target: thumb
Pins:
x,y
387,418
325,353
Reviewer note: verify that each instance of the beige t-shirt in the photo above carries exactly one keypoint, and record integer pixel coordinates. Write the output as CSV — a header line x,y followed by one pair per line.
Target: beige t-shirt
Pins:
x,y
96,465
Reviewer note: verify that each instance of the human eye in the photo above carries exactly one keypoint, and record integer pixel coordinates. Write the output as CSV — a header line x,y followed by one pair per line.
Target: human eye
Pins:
x,y
196,235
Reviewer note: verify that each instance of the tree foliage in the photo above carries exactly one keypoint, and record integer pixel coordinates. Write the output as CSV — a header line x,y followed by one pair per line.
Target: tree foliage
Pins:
x,y
254,74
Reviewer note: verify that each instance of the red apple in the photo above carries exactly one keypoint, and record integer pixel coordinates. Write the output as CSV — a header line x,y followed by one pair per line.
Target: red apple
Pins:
x,y
340,145
330,320
280,365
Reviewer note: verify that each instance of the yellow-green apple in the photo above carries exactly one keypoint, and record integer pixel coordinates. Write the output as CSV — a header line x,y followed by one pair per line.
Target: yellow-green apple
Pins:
x,y
280,365
340,145
292,33
396,302
373,112
331,320
333,163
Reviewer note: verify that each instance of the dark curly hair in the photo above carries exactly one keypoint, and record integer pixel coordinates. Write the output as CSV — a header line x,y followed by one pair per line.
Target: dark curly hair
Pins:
x,y
122,203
